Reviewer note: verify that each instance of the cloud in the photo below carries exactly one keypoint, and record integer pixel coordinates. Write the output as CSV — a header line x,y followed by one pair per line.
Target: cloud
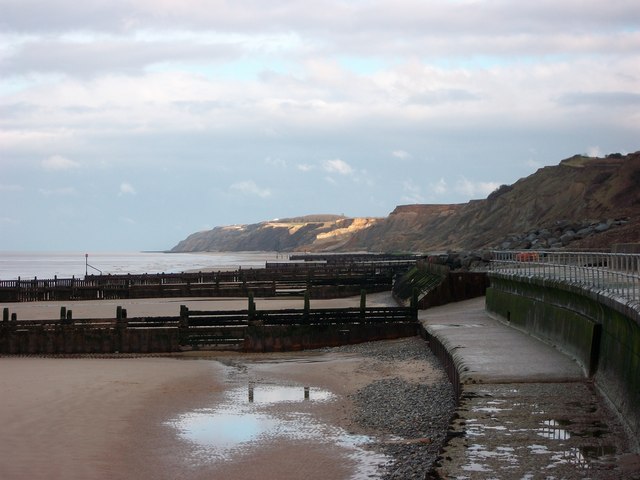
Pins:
x,y
412,193
63,191
337,166
58,163
439,188
126,189
11,188
210,95
604,99
331,180
94,55
275,162
442,96
401,154
250,187
594,152
475,189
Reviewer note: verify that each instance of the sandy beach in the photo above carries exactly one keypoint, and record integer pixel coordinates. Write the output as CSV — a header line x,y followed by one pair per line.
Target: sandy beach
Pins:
x,y
171,306
154,417
123,418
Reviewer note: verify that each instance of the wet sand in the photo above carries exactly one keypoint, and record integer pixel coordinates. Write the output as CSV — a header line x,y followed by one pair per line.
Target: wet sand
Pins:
x,y
115,418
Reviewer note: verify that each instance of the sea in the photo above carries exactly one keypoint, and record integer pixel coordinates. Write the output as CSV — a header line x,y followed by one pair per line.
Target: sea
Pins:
x,y
45,265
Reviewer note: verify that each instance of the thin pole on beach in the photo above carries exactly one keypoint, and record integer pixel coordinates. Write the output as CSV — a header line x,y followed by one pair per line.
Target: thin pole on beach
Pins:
x,y
87,266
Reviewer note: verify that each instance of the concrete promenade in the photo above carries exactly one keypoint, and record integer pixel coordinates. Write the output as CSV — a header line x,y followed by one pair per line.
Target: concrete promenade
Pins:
x,y
526,410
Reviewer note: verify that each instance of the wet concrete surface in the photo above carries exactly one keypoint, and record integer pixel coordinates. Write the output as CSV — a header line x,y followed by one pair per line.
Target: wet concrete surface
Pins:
x,y
527,411
535,430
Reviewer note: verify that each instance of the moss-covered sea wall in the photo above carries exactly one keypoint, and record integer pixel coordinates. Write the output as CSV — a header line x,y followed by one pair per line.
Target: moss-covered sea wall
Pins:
x,y
599,330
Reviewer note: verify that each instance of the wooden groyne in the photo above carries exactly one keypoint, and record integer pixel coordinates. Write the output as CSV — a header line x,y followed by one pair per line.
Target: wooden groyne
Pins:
x,y
249,330
321,280
353,258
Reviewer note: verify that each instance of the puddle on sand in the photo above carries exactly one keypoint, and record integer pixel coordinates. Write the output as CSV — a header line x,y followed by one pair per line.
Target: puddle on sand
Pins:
x,y
245,421
269,394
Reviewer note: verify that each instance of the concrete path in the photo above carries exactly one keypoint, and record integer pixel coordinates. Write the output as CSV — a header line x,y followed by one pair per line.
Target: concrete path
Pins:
x,y
487,351
527,410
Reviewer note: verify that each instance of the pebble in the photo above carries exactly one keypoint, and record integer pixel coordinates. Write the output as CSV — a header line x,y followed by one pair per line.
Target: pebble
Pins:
x,y
411,419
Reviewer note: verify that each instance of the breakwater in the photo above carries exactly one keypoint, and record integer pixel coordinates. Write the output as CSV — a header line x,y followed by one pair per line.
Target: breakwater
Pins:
x,y
249,330
321,280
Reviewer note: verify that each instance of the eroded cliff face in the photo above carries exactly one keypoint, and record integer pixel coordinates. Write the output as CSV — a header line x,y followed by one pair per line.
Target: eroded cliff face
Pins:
x,y
309,233
579,189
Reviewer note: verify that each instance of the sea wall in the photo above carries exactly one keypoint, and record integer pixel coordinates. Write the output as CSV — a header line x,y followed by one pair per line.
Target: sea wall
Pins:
x,y
596,328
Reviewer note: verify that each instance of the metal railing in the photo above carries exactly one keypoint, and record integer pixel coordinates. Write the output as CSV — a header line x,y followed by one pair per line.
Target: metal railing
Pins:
x,y
618,273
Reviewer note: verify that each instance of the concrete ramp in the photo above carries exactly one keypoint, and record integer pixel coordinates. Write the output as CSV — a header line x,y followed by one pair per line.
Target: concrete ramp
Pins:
x,y
487,351
526,409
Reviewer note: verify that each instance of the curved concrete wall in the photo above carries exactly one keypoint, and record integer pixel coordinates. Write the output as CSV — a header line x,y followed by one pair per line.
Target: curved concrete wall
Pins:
x,y
599,331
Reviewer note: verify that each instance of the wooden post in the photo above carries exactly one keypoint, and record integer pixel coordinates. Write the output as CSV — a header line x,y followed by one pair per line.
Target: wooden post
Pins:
x,y
414,304
183,325
5,314
307,304
63,314
121,314
251,308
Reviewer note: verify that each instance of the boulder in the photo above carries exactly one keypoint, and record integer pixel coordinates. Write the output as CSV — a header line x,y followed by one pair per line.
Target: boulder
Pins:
x,y
567,237
584,232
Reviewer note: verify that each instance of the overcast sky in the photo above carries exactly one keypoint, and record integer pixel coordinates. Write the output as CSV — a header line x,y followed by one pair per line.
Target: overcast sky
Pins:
x,y
129,124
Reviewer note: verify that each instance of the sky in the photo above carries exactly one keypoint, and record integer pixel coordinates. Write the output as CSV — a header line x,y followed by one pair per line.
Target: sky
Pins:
x,y
127,125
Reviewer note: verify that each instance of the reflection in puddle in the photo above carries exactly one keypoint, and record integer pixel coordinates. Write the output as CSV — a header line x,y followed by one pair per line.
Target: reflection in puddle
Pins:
x,y
551,430
251,416
270,394
223,429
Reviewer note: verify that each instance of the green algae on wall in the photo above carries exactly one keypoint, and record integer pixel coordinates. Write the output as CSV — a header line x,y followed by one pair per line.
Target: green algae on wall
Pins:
x,y
593,327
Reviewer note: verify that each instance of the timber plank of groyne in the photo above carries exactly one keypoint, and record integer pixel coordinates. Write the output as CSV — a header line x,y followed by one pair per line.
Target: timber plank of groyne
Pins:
x,y
321,280
194,329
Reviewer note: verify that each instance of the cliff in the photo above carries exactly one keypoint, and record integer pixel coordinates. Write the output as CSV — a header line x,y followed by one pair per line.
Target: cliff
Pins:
x,y
308,233
580,191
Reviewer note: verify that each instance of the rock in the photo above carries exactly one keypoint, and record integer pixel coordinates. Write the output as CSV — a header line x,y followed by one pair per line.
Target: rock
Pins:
x,y
584,232
544,233
567,237
602,227
486,256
